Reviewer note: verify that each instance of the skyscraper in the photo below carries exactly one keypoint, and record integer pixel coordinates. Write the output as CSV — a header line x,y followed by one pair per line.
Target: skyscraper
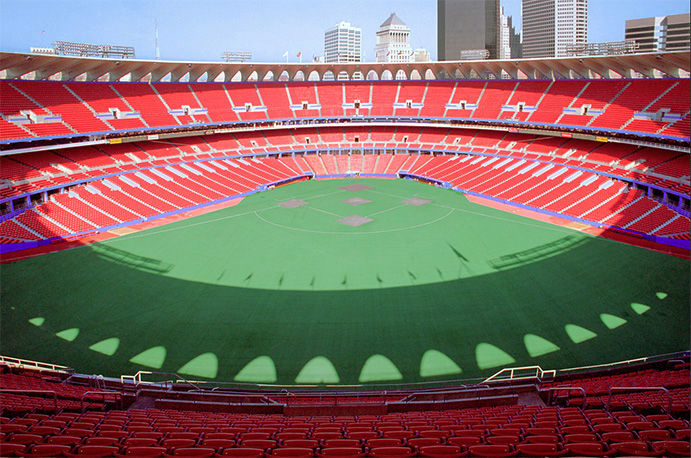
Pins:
x,y
667,33
343,43
551,26
465,25
393,41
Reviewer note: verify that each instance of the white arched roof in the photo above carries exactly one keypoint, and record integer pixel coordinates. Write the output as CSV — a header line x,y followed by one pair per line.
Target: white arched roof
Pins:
x,y
66,68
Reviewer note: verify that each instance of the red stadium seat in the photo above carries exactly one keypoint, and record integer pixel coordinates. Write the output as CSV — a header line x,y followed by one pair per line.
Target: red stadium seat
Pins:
x,y
496,451
541,449
423,441
391,452
304,443
350,452
588,448
245,452
442,451
11,449
673,448
94,451
635,448
217,443
294,452
142,451
47,450
192,452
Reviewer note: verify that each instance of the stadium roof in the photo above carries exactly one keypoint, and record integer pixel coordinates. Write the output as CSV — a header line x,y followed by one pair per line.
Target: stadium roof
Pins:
x,y
65,68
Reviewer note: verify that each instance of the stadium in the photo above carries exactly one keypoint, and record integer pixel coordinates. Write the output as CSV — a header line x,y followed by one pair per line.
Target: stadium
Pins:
x,y
482,258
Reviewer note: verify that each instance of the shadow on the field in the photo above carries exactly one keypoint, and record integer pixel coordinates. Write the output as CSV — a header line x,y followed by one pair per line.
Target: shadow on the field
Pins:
x,y
537,253
127,259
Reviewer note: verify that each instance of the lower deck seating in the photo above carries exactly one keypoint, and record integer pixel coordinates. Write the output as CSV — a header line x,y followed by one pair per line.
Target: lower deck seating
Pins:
x,y
487,431
563,176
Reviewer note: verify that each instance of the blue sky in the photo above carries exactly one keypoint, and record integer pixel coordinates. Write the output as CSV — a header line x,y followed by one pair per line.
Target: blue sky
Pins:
x,y
200,30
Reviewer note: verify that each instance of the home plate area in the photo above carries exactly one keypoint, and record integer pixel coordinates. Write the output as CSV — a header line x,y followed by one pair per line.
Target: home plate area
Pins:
x,y
357,220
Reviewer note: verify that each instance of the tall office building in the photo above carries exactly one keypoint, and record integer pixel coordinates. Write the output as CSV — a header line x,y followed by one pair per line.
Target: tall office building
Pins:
x,y
667,33
393,41
515,40
467,25
551,26
343,43
504,36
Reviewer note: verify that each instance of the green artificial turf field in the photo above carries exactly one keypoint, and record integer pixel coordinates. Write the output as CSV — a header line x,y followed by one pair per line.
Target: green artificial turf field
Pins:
x,y
278,290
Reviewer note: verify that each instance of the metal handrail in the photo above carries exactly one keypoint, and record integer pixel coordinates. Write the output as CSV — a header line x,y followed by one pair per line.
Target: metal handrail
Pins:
x,y
568,388
34,364
55,395
137,379
118,397
639,388
676,361
539,373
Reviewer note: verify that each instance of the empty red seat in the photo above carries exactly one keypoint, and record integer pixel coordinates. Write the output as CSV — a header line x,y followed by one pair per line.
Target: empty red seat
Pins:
x,y
139,442
219,436
655,434
44,430
673,448
64,440
183,435
245,452
217,443
442,451
383,442
350,452
391,452
465,441
94,451
46,450
11,449
97,440
423,441
147,434
637,448
323,435
492,450
588,449
143,452
293,452
361,435
510,440
581,438
398,434
197,452
541,449
608,427
304,443
435,433
258,443
619,436
341,442
291,435
25,438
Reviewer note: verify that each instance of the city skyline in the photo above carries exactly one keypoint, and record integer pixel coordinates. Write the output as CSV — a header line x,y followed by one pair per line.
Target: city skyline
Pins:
x,y
203,30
